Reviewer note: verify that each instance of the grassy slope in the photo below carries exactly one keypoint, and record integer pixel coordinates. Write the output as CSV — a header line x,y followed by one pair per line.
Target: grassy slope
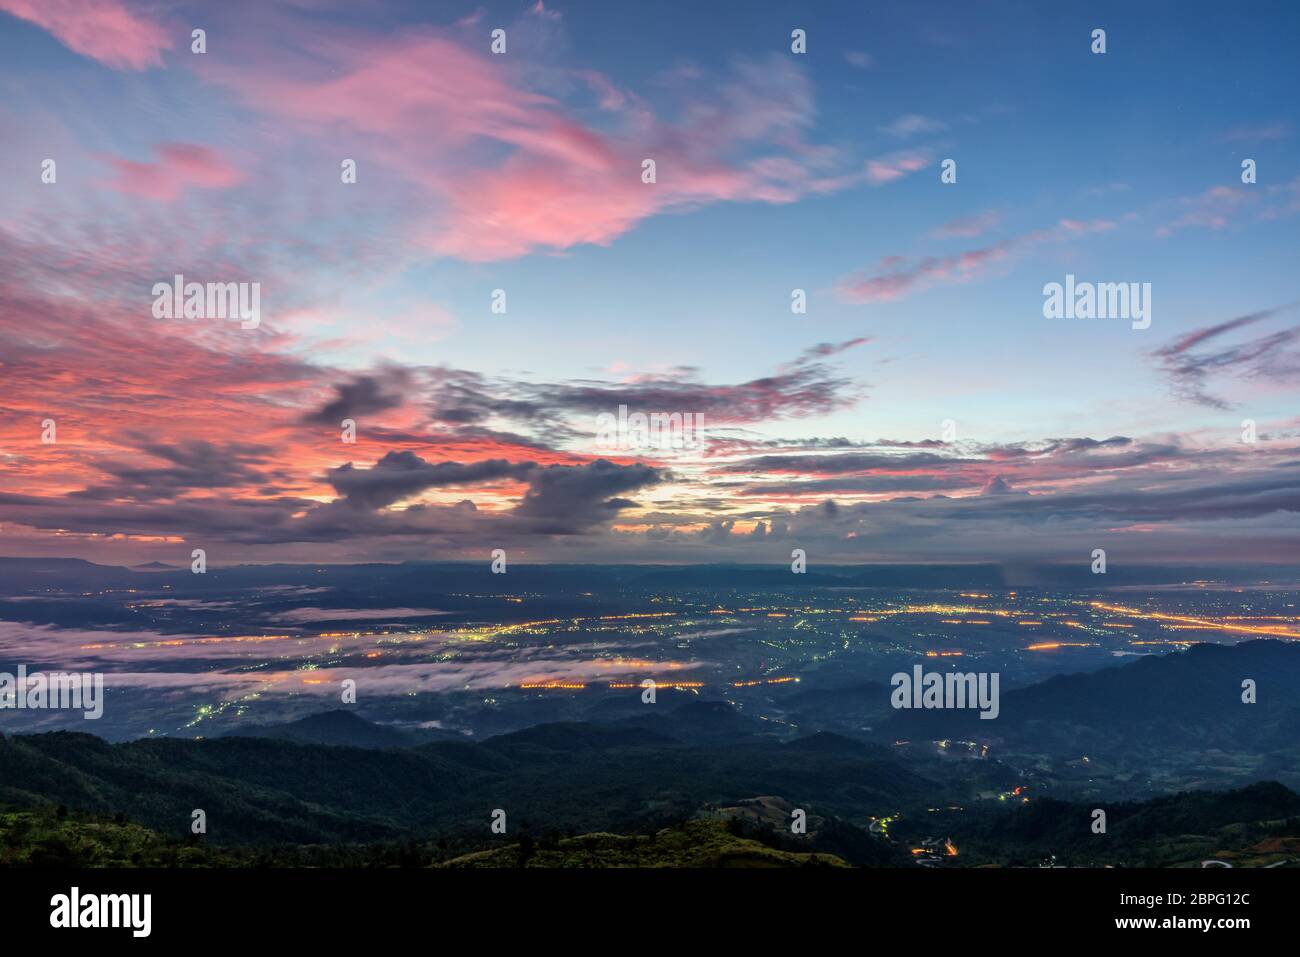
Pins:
x,y
693,844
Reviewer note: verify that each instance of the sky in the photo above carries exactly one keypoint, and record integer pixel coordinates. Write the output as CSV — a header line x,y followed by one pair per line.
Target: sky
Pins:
x,y
921,406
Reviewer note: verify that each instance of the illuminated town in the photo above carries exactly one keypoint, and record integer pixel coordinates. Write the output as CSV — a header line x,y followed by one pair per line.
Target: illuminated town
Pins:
x,y
423,655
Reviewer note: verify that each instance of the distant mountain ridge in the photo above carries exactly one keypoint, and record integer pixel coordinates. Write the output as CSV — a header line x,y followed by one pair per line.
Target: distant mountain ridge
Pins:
x,y
339,728
569,775
1155,723
21,572
1185,691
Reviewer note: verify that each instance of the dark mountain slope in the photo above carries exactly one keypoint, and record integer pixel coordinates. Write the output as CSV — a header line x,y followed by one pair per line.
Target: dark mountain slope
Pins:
x,y
1186,698
562,777
332,727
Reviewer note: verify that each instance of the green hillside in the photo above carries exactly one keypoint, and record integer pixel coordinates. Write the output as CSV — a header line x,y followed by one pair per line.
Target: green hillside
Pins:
x,y
693,844
55,837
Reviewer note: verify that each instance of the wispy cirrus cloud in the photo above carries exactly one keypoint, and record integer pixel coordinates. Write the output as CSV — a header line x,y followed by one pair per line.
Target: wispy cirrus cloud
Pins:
x,y
968,227
903,468
1257,134
482,158
1213,209
913,124
894,166
507,169
179,166
896,276
104,30
1192,360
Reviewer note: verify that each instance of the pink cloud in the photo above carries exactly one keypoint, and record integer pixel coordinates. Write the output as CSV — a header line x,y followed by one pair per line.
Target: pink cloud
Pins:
x,y
500,171
104,30
886,169
179,165
1213,209
896,284
539,9
894,279
968,227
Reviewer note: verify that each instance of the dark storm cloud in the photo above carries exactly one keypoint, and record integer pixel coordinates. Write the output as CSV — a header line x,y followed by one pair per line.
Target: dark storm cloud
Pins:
x,y
846,463
469,405
1051,446
560,500
401,474
1213,498
363,395
562,497
741,444
804,387
458,397
868,484
1048,459
802,390
193,465
1249,514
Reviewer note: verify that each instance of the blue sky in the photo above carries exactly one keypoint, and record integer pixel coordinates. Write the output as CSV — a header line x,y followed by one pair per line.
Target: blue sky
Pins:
x,y
775,171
